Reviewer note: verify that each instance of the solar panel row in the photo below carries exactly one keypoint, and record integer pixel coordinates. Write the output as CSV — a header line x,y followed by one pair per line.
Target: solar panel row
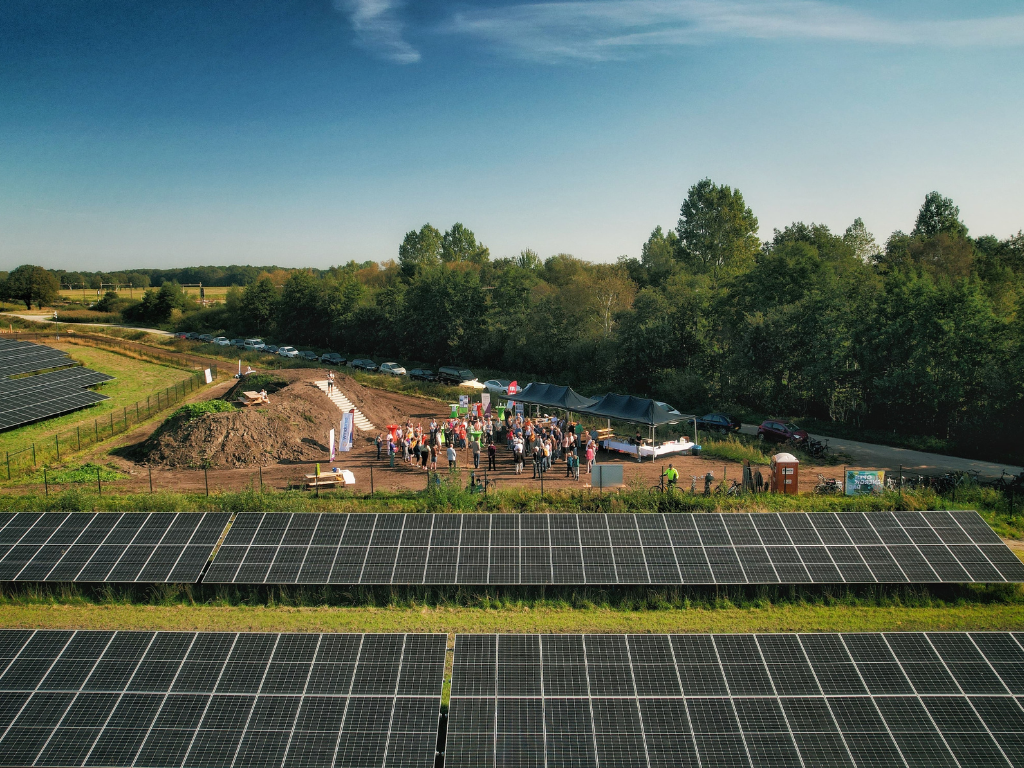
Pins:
x,y
881,547
655,701
108,546
33,406
24,357
61,379
170,699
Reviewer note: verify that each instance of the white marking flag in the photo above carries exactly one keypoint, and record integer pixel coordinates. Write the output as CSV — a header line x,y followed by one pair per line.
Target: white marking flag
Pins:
x,y
330,441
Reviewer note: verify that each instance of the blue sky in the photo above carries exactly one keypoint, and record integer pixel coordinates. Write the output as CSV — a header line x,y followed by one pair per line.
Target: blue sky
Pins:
x,y
311,132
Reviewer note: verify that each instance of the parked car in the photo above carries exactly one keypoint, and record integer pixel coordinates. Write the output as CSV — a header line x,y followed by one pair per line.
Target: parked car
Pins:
x,y
253,345
393,368
206,337
363,364
221,341
306,354
450,374
718,422
422,374
666,407
288,352
497,386
332,358
192,335
780,432
270,348
238,343
181,335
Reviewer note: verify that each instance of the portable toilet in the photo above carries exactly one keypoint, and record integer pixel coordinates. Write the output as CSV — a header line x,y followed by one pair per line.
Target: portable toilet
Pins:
x,y
785,473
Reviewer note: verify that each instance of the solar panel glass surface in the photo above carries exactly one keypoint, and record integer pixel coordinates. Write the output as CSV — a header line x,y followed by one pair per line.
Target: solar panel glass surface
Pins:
x,y
612,549
732,700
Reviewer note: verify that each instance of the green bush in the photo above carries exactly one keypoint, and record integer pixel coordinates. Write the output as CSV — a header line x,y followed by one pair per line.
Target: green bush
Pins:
x,y
86,473
193,411
257,381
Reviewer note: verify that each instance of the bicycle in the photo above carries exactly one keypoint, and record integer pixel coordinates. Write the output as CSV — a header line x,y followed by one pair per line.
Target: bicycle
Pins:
x,y
733,490
827,486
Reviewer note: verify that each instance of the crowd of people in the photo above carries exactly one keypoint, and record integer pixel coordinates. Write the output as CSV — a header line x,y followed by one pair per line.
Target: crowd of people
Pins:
x,y
542,442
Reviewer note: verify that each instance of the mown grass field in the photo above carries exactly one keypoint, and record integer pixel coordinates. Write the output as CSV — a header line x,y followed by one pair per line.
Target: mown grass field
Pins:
x,y
133,380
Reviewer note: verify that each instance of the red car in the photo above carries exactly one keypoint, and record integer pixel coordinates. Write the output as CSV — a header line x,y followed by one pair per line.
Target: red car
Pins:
x,y
780,432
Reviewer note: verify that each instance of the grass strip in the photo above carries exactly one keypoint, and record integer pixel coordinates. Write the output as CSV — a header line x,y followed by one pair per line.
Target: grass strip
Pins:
x,y
792,618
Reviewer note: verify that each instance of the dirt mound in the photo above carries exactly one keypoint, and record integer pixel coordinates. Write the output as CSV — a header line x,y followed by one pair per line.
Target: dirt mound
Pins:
x,y
293,428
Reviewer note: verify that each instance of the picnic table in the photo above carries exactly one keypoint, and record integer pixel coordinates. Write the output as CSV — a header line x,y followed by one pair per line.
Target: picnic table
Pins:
x,y
253,398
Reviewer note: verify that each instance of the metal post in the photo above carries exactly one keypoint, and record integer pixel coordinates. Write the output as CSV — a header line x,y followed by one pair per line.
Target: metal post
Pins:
x,y
137,417
57,440
542,480
125,416
147,405
111,423
99,482
96,429
261,478
33,454
150,478
78,431
901,485
46,485
8,465
371,479
206,476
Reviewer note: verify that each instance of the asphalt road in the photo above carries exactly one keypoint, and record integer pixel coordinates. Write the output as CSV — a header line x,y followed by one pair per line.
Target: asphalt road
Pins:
x,y
869,455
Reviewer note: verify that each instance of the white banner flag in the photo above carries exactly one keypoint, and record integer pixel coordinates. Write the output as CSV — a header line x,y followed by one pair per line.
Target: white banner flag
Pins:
x,y
345,441
485,398
330,440
208,375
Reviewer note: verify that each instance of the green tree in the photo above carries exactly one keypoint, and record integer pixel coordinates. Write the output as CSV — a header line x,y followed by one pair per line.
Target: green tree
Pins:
x,y
32,285
459,244
257,306
717,231
658,256
419,249
861,241
938,214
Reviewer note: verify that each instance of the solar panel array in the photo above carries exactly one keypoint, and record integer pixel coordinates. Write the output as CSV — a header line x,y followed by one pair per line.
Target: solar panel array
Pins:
x,y
906,700
108,546
882,547
25,357
43,395
170,699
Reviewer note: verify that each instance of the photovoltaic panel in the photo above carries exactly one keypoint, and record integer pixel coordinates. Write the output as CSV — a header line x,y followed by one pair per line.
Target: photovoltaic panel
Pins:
x,y
739,548
26,357
65,377
171,699
108,546
33,406
660,701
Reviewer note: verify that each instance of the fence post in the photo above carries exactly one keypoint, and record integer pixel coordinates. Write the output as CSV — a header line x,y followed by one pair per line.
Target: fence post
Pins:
x,y
46,485
147,406
261,478
8,465
371,479
99,482
137,417
33,454
78,431
57,440
111,423
96,429
125,416
206,476
150,478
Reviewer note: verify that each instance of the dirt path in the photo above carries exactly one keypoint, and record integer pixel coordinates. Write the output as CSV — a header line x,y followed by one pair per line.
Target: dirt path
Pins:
x,y
870,455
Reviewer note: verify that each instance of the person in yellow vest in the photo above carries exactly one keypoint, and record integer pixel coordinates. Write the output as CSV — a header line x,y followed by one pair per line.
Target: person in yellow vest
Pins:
x,y
671,476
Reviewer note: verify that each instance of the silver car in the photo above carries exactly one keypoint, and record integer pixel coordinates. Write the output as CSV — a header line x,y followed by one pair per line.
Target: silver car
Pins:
x,y
393,368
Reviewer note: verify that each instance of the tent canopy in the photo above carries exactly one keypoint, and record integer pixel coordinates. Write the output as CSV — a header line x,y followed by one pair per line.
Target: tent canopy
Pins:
x,y
637,410
553,396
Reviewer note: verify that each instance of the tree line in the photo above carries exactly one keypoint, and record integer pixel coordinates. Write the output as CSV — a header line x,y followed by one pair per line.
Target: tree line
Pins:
x,y
921,334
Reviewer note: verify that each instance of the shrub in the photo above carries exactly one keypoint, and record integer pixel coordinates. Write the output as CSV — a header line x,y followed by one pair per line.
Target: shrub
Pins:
x,y
193,411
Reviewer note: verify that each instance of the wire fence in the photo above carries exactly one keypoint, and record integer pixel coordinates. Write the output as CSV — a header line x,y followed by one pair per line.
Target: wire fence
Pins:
x,y
88,433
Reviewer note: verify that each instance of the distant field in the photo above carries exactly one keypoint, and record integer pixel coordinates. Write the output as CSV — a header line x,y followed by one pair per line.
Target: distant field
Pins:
x,y
89,294
134,379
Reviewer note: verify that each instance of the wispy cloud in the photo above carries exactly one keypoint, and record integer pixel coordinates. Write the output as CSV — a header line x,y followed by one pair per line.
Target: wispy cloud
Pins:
x,y
379,29
613,29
